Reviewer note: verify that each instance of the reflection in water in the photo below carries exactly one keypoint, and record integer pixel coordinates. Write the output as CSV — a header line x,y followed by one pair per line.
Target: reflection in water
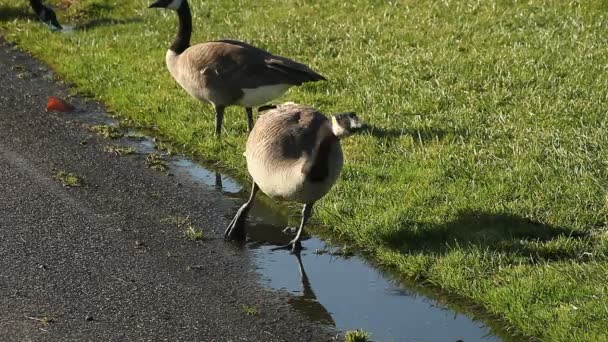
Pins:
x,y
218,181
207,177
348,294
307,303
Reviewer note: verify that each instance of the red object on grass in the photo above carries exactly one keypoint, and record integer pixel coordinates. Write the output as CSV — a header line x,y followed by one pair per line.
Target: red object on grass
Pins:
x,y
59,105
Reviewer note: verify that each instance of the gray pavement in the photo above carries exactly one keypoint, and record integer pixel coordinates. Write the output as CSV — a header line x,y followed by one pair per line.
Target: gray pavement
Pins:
x,y
100,262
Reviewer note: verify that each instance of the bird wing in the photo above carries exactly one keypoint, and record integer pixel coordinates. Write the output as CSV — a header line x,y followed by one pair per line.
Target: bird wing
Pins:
x,y
239,64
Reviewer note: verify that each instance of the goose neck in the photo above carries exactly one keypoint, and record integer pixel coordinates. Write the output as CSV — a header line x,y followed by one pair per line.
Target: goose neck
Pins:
x,y
36,6
182,39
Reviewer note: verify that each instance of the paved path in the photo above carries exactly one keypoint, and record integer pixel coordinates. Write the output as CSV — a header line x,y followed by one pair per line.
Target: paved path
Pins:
x,y
99,261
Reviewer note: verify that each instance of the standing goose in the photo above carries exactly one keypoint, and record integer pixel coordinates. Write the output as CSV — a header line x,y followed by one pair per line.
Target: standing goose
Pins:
x,y
229,72
294,153
45,14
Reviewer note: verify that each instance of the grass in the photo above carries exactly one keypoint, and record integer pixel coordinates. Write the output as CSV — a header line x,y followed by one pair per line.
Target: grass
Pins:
x,y
106,131
184,223
119,150
156,162
484,172
44,320
193,233
68,179
250,310
356,336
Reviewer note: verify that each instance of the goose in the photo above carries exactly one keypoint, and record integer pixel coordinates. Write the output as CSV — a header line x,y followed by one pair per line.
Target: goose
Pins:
x,y
45,14
293,153
228,72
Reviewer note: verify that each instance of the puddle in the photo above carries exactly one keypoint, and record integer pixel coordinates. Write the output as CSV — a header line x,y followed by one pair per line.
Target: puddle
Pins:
x,y
211,178
68,29
345,293
349,294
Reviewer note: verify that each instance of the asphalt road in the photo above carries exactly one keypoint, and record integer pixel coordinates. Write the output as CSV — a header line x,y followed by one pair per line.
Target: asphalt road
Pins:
x,y
101,262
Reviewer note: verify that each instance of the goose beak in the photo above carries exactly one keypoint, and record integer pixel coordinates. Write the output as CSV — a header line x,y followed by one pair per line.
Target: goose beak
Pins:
x,y
155,4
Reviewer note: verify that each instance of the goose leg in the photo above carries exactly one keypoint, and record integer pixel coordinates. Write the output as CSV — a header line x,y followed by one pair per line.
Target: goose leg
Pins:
x,y
219,118
236,228
295,245
249,118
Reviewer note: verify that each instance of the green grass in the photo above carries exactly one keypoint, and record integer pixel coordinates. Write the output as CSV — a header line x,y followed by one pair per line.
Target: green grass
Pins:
x,y
106,131
485,171
250,310
68,179
356,336
119,150
184,223
193,233
156,162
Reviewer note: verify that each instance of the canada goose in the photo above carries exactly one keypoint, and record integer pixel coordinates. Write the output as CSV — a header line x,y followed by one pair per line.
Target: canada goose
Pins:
x,y
45,14
228,72
294,153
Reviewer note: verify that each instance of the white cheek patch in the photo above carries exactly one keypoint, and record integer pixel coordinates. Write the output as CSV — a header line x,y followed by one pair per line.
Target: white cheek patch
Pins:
x,y
355,123
175,4
336,128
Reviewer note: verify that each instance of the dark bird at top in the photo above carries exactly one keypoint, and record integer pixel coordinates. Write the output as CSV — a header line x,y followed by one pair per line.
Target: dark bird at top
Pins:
x,y
45,14
229,72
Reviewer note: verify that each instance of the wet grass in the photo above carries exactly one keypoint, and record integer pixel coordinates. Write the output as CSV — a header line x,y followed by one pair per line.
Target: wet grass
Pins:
x,y
156,162
119,150
106,131
484,168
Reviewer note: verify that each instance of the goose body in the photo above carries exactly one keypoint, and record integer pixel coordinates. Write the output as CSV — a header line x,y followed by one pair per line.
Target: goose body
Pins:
x,y
229,72
294,153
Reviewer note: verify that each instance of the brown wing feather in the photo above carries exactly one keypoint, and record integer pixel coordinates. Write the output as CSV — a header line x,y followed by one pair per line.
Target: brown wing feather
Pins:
x,y
240,65
288,133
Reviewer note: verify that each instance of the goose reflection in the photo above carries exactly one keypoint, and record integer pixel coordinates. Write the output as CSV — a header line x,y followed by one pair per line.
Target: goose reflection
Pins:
x,y
265,234
218,181
307,303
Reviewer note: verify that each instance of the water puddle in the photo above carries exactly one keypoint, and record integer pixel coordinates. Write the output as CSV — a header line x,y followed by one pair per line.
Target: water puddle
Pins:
x,y
211,178
68,29
347,293
341,292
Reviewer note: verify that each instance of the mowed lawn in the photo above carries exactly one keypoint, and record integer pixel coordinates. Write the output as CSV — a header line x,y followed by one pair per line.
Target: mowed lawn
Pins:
x,y
485,169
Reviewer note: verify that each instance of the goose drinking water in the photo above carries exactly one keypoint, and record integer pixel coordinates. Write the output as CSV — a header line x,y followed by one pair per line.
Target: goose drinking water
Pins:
x,y
294,153
229,72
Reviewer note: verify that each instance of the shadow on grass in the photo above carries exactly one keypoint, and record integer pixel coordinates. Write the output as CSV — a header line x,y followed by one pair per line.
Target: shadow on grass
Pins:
x,y
419,135
12,13
516,236
99,22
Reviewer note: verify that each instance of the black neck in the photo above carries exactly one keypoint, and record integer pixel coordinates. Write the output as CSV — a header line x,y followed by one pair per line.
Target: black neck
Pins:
x,y
182,40
36,6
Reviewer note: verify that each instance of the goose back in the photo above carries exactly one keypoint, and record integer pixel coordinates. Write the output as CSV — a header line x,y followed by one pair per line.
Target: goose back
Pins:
x,y
230,72
293,154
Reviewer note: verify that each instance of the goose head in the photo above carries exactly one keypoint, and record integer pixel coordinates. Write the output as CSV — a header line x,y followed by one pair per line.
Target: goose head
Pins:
x,y
345,124
168,4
